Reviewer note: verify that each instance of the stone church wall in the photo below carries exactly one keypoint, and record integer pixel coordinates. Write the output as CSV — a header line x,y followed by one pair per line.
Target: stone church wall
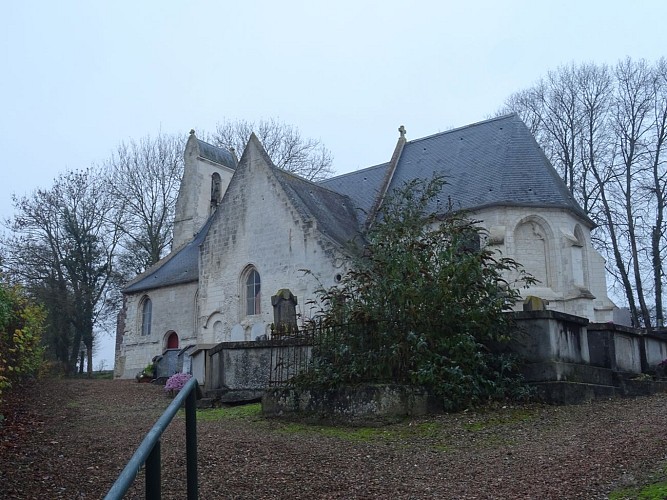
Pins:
x,y
172,311
257,226
555,247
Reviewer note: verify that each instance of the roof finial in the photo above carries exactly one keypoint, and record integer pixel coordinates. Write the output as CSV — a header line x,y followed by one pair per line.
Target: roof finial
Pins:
x,y
401,129
192,131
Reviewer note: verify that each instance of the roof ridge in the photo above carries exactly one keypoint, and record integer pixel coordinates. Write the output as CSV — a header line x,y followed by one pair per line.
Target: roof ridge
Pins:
x,y
302,193
354,172
388,177
212,145
458,129
307,181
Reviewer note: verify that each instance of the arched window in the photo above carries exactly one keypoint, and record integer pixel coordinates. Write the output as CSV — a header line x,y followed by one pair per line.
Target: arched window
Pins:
x,y
146,316
217,332
216,190
579,259
252,292
532,249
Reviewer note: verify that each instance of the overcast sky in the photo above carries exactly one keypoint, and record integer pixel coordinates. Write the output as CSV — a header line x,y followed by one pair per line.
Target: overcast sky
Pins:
x,y
80,77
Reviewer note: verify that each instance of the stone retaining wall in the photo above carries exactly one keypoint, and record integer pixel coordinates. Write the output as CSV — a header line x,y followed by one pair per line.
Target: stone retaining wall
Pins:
x,y
561,354
372,404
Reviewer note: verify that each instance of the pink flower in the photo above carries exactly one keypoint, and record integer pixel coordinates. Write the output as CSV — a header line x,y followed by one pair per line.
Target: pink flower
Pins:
x,y
177,381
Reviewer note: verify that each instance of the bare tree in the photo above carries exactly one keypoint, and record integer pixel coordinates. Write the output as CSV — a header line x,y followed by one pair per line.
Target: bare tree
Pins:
x,y
63,248
305,157
605,131
594,93
145,177
34,256
659,183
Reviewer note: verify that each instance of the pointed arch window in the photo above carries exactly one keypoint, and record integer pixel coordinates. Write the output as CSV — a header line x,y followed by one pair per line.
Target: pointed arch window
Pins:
x,y
252,292
146,316
579,259
531,238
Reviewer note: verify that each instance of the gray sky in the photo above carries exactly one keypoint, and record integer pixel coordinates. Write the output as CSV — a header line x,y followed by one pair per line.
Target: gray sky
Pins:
x,y
78,77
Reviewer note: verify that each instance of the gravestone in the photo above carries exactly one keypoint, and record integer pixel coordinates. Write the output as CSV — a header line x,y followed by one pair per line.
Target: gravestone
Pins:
x,y
533,303
284,312
238,333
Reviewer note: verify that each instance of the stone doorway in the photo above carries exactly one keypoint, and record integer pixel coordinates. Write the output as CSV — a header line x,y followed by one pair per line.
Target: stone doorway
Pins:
x,y
172,341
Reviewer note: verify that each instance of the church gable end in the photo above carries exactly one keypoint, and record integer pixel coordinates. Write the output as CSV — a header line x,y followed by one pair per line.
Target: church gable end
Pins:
x,y
260,239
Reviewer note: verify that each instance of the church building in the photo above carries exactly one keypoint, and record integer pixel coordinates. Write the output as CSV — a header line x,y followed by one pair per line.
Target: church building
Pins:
x,y
245,229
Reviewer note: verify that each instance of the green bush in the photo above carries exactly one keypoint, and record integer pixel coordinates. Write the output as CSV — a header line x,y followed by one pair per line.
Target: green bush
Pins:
x,y
422,304
21,327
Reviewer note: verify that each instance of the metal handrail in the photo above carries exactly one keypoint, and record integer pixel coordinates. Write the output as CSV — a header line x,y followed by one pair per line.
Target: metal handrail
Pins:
x,y
149,449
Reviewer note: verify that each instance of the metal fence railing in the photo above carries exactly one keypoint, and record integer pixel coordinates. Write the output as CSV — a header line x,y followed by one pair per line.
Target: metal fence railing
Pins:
x,y
379,350
149,450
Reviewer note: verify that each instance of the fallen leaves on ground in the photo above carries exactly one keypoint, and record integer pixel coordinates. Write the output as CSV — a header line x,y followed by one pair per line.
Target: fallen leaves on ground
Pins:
x,y
71,438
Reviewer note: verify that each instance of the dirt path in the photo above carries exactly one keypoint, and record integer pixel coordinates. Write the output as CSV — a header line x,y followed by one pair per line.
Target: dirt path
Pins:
x,y
70,439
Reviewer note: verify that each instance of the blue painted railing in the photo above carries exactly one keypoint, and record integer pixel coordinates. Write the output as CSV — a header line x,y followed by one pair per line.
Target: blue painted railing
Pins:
x,y
149,449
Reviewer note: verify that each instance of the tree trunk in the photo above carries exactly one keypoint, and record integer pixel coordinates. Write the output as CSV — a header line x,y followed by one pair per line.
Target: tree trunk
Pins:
x,y
89,352
657,272
74,353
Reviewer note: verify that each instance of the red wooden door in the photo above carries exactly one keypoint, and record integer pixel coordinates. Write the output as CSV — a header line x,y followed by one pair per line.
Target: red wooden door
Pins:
x,y
172,341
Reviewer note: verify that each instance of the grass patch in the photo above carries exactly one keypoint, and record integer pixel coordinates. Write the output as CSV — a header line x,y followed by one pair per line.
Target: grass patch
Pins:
x,y
250,411
433,434
394,432
98,375
426,429
356,434
253,412
499,419
654,488
656,491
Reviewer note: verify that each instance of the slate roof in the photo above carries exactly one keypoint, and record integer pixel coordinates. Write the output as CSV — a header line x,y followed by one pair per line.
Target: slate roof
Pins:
x,y
491,163
496,162
361,186
179,267
333,212
216,154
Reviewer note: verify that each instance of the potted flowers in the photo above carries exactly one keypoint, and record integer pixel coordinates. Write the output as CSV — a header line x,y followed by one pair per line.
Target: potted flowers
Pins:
x,y
147,374
176,382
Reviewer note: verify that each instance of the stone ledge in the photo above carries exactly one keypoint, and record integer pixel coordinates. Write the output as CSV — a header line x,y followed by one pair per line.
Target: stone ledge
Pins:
x,y
549,314
257,344
559,371
366,405
563,392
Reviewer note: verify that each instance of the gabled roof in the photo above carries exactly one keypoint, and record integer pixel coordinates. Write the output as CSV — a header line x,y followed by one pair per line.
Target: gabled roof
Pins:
x,y
496,162
179,267
216,154
361,186
333,212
